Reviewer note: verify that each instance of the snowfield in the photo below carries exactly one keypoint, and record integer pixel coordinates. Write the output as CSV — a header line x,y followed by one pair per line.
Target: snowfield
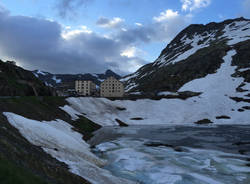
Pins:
x,y
214,102
59,140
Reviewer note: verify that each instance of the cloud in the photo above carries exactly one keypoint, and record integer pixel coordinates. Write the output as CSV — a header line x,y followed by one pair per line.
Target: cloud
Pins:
x,y
162,28
47,45
132,52
42,44
191,5
168,14
109,23
138,24
69,7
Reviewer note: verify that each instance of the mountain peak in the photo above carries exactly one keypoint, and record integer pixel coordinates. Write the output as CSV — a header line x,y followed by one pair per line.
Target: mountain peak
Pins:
x,y
195,52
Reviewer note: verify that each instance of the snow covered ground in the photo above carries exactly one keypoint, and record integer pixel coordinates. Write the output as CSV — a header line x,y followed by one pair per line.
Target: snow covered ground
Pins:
x,y
59,140
214,101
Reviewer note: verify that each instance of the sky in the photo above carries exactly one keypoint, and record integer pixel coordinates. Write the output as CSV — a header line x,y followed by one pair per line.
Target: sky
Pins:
x,y
91,36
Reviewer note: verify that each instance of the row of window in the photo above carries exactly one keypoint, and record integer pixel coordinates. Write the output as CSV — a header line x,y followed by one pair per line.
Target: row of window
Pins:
x,y
103,88
118,91
112,84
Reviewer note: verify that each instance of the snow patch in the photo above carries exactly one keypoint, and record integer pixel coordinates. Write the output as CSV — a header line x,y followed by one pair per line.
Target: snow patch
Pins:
x,y
59,140
40,72
237,32
56,80
213,102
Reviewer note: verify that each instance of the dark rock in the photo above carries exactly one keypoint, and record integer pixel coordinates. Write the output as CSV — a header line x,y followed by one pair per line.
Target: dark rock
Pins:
x,y
121,123
223,117
121,108
241,143
246,107
158,144
136,118
242,152
204,121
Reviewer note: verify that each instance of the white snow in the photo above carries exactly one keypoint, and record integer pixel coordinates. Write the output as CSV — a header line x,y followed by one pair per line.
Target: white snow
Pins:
x,y
214,101
59,140
237,32
72,112
40,72
131,86
165,93
34,74
194,42
135,93
243,69
56,80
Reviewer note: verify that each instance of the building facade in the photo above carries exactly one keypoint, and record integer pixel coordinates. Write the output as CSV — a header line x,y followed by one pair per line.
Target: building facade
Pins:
x,y
112,87
85,87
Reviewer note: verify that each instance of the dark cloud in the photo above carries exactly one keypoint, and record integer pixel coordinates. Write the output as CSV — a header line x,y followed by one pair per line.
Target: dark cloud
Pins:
x,y
43,44
39,44
69,7
161,31
116,22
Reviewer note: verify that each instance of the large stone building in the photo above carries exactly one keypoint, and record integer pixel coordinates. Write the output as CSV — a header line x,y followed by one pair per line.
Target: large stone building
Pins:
x,y
85,87
112,87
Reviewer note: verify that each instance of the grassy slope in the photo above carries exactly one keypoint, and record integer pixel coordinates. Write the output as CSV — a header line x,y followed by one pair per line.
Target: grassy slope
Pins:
x,y
15,81
11,173
19,156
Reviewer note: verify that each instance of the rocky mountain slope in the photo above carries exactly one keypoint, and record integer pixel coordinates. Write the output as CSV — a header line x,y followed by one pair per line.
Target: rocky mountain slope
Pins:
x,y
15,81
194,53
68,80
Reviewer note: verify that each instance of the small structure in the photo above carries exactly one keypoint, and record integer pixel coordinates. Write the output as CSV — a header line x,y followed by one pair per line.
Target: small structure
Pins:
x,y
85,87
112,87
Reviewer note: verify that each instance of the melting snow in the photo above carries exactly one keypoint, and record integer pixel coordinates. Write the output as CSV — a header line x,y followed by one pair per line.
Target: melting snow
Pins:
x,y
214,101
59,140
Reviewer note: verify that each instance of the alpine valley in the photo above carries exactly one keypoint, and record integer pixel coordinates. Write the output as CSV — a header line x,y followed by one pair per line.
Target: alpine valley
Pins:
x,y
185,118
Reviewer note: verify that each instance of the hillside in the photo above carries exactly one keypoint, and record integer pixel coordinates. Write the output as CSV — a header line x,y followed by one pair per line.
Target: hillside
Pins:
x,y
39,143
15,81
194,53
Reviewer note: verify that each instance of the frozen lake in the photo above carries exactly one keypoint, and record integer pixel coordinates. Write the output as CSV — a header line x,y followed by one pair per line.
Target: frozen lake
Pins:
x,y
176,154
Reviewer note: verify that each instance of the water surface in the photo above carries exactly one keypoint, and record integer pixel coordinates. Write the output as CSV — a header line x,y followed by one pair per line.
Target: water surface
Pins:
x,y
176,154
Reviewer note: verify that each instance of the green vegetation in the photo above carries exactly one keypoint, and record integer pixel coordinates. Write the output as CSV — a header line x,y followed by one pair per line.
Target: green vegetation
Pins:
x,y
13,174
86,127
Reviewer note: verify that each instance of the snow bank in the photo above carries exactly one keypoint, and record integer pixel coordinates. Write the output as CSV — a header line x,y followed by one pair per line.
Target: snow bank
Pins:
x,y
213,102
59,140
